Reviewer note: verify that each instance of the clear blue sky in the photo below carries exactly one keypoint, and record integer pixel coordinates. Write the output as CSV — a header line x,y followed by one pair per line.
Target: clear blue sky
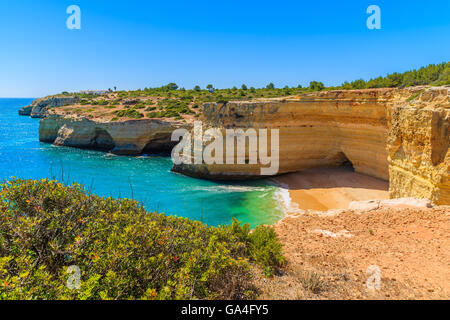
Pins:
x,y
135,44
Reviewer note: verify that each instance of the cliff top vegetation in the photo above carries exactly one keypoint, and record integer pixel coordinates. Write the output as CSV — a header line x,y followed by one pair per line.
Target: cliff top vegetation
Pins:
x,y
170,101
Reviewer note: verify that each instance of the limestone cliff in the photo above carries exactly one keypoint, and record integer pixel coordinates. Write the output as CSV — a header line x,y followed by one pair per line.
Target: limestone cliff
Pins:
x,y
316,129
131,137
418,146
39,107
400,135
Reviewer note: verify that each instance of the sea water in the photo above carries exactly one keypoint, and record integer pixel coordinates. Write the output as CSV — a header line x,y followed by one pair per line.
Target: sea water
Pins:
x,y
147,179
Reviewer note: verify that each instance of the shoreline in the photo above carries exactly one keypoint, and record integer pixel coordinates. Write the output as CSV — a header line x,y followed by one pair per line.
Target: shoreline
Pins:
x,y
323,189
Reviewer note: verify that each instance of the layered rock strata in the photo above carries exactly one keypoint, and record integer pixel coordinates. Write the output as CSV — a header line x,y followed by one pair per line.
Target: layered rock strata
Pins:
x,y
317,129
131,137
400,135
418,146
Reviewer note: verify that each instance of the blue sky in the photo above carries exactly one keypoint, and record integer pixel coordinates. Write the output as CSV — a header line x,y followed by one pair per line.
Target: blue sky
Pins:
x,y
135,44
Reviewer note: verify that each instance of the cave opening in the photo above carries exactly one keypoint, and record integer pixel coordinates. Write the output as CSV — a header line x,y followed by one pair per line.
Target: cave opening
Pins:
x,y
160,144
341,160
102,140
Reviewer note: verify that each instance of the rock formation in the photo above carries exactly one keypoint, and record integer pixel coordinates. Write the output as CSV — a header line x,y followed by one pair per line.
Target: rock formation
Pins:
x,y
417,144
38,108
130,137
400,135
316,129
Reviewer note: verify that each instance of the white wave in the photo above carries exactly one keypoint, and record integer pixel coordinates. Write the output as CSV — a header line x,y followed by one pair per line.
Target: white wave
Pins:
x,y
109,155
231,188
284,197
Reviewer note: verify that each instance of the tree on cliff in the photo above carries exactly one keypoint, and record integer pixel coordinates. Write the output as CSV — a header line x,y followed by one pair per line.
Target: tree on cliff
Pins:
x,y
358,84
197,88
171,86
433,74
270,86
316,86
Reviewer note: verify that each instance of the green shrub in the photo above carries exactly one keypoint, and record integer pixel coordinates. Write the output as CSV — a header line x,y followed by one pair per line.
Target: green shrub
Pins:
x,y
100,102
155,114
263,245
412,97
265,248
316,86
129,113
123,251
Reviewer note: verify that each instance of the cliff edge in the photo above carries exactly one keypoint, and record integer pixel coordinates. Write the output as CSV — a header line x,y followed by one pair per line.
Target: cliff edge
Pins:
x,y
399,135
38,108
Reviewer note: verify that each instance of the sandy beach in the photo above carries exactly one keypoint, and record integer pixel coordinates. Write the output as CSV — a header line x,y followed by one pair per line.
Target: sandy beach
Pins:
x,y
328,188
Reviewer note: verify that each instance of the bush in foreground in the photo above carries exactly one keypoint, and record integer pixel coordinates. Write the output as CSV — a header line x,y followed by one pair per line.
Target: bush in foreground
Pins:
x,y
123,251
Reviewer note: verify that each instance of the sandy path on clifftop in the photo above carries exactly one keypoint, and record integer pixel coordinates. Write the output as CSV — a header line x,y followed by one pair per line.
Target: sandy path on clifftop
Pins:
x,y
329,188
410,246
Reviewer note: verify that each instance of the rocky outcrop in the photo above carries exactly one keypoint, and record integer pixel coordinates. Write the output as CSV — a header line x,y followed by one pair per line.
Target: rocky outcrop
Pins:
x,y
418,143
400,135
317,129
38,108
131,137
26,111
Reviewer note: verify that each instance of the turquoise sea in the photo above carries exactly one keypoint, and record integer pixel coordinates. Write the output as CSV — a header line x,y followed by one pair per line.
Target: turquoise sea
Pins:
x,y
147,179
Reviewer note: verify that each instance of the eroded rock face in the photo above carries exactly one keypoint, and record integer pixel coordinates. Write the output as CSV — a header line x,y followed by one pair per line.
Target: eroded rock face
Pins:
x,y
130,137
400,135
417,144
38,108
316,130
